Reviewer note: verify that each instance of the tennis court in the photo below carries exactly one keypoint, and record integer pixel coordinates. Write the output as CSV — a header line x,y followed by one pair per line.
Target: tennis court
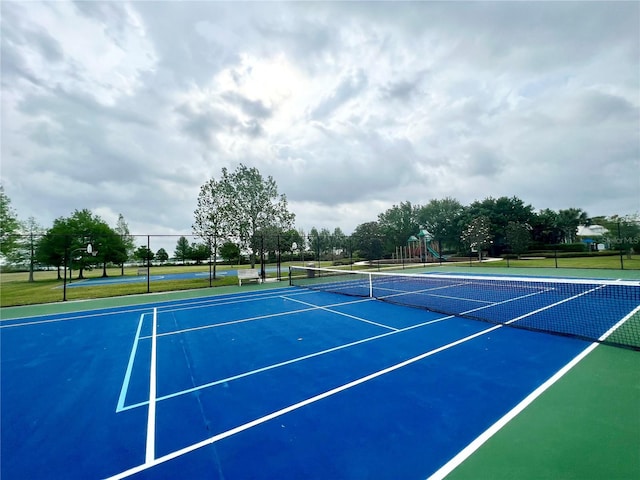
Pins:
x,y
295,382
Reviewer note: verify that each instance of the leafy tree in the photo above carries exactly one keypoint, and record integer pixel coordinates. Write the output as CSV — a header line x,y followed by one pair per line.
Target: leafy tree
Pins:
x,y
24,252
320,242
252,204
128,241
397,224
9,225
499,213
624,233
367,240
213,216
162,255
518,237
144,255
441,218
568,221
109,246
183,250
230,252
199,252
65,241
544,227
477,234
340,241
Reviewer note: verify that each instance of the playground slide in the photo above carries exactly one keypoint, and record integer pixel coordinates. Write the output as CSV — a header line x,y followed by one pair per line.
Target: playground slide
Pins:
x,y
434,253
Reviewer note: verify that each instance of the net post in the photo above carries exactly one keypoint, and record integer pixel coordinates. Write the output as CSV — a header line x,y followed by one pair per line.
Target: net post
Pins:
x,y
290,282
370,286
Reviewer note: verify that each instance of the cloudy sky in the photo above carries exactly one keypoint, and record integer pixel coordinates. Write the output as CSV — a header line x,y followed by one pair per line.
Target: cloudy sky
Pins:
x,y
351,107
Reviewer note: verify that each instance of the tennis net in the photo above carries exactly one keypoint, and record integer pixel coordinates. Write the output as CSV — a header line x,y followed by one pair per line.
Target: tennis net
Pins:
x,y
594,310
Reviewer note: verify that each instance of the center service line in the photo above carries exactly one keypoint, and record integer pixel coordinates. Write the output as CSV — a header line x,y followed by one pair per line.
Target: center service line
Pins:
x,y
151,420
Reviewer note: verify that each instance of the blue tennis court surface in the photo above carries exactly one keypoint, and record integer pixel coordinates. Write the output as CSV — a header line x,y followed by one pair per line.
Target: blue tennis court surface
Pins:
x,y
94,282
282,383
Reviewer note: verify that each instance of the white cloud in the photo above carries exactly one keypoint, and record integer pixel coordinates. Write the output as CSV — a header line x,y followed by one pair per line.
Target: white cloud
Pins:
x,y
351,107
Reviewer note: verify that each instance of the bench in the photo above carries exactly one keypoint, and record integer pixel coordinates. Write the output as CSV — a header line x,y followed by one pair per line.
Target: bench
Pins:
x,y
142,271
248,274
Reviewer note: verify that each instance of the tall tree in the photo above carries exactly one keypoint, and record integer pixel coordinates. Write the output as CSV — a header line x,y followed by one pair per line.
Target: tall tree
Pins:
x,y
162,255
544,227
65,242
213,217
199,252
623,233
477,235
568,222
397,224
253,203
183,250
518,237
441,218
128,242
499,212
24,252
368,241
9,225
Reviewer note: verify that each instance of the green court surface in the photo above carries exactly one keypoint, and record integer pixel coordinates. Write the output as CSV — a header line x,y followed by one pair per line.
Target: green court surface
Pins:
x,y
587,426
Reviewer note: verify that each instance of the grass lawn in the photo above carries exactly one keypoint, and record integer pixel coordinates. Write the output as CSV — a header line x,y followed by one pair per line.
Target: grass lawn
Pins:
x,y
609,262
15,289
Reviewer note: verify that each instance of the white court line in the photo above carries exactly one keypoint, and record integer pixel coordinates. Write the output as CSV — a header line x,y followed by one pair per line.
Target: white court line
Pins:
x,y
329,393
295,406
340,313
119,310
466,452
127,375
151,419
316,354
286,362
259,317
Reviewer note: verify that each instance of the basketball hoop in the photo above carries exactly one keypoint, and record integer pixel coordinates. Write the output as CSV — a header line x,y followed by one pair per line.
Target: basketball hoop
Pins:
x,y
91,251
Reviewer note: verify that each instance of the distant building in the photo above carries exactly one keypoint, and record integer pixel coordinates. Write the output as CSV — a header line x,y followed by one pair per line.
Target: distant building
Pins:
x,y
593,236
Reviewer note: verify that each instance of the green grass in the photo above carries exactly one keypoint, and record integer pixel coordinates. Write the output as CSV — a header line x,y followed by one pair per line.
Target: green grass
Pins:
x,y
15,289
609,262
46,288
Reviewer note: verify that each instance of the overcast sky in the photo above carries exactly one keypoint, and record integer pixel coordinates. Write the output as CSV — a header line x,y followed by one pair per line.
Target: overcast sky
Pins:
x,y
351,107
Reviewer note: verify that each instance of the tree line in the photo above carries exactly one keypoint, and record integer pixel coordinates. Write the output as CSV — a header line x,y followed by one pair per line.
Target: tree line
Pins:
x,y
242,213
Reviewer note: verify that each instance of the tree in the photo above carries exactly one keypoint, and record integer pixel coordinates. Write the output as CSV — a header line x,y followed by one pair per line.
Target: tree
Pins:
x,y
65,241
499,213
339,241
24,252
143,254
367,240
518,237
230,252
128,242
477,234
397,224
213,217
183,250
624,233
199,252
108,245
162,255
568,221
544,227
441,219
9,225
320,242
252,203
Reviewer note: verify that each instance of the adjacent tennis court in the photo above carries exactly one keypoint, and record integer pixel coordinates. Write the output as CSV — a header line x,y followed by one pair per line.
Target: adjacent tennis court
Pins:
x,y
295,382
